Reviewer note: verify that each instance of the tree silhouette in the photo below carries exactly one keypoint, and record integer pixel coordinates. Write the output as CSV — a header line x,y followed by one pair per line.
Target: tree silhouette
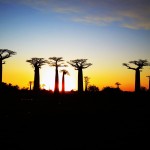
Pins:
x,y
148,83
56,62
4,54
140,64
86,80
36,64
80,64
117,84
65,72
30,85
93,88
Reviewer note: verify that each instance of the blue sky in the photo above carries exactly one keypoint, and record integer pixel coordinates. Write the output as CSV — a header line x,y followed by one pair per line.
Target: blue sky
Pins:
x,y
106,32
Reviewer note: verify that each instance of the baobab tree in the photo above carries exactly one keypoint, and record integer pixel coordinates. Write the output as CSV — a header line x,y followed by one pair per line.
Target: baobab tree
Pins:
x,y
65,72
117,84
80,64
86,80
4,54
36,64
148,83
140,64
56,62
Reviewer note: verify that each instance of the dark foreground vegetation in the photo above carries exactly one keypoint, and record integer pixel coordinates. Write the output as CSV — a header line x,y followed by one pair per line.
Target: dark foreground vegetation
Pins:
x,y
92,120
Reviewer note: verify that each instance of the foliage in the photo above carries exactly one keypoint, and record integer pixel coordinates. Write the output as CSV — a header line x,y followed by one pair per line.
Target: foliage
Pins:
x,y
93,88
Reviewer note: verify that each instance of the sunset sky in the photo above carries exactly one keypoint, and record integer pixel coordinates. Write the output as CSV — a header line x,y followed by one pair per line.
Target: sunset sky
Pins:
x,y
106,32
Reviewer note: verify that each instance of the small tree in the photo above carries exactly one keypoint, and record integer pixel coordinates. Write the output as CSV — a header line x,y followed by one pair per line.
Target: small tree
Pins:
x,y
86,80
30,85
36,64
4,54
140,64
117,84
56,62
65,72
80,64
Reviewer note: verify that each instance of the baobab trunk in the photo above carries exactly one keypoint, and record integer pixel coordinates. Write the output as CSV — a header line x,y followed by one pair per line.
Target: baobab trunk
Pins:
x,y
1,63
36,79
149,85
85,87
80,80
56,90
137,80
30,84
63,82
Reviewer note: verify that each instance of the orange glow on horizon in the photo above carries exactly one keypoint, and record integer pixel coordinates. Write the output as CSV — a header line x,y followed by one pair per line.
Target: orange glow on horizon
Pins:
x,y
100,78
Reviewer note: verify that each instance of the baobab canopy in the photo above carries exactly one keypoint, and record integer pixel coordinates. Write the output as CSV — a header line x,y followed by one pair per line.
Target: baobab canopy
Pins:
x,y
77,63
139,63
5,53
37,61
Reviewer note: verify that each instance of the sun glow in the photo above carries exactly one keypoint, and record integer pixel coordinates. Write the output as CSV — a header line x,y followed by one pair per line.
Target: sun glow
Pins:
x,y
48,80
69,83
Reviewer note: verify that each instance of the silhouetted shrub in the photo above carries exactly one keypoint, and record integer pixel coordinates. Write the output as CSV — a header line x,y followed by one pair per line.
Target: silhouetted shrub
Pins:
x,y
93,88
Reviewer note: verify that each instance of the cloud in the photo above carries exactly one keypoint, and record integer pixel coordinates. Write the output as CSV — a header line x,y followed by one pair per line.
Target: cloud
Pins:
x,y
66,10
98,20
133,14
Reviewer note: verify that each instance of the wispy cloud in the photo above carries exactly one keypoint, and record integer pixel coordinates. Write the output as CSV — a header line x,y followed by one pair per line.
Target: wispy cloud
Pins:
x,y
98,20
132,14
67,10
